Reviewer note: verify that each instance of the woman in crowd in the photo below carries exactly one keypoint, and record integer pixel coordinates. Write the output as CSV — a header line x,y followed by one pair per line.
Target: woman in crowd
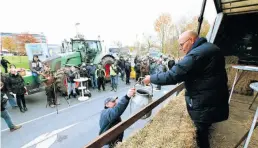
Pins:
x,y
36,68
15,85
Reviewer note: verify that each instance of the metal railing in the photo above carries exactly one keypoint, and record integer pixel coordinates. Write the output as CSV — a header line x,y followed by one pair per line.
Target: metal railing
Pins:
x,y
119,128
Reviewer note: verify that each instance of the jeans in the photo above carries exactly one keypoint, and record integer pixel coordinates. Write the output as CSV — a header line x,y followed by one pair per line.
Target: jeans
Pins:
x,y
36,80
5,115
93,81
122,75
114,80
11,100
202,134
71,87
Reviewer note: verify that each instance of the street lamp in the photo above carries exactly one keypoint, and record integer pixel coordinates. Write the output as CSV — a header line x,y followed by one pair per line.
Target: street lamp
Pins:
x,y
77,30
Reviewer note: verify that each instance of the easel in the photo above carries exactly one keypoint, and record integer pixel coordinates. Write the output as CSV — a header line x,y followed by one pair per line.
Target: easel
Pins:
x,y
250,132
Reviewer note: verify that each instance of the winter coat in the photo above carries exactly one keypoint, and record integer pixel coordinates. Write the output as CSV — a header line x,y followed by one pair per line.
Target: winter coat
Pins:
x,y
100,73
159,68
36,67
137,68
92,70
144,67
121,64
15,84
4,62
3,101
128,67
111,116
71,76
204,74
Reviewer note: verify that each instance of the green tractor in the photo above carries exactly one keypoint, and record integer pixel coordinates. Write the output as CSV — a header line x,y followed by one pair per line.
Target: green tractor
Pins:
x,y
77,51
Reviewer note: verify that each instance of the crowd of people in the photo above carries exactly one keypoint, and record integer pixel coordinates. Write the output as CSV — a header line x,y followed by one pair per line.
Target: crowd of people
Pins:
x,y
202,70
149,65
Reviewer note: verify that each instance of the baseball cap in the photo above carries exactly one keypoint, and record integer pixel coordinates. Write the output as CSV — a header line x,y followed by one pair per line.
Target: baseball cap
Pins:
x,y
110,99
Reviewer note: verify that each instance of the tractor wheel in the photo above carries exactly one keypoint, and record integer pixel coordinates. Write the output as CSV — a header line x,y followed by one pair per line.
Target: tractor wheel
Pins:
x,y
106,62
60,81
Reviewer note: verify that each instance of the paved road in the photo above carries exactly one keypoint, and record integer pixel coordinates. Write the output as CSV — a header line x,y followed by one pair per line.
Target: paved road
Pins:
x,y
74,126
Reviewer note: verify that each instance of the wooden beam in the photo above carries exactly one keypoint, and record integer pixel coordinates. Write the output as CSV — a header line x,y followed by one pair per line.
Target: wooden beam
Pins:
x,y
119,128
233,1
243,6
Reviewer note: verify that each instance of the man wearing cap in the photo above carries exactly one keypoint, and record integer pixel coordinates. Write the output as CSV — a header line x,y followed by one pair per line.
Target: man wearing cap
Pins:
x,y
110,116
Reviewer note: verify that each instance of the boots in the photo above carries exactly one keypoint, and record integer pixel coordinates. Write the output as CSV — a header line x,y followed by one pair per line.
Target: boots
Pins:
x,y
25,108
15,128
22,110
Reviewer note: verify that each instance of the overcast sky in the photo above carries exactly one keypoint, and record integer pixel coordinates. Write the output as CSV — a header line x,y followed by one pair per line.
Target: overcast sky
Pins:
x,y
111,19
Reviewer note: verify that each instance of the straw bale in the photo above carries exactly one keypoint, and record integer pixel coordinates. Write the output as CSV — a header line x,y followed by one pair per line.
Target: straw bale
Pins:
x,y
247,77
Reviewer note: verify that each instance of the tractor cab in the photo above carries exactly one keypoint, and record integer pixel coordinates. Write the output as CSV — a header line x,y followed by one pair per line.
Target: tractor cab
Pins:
x,y
89,49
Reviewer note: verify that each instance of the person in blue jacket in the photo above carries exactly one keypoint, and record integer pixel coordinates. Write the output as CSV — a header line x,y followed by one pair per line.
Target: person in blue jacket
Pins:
x,y
110,116
203,72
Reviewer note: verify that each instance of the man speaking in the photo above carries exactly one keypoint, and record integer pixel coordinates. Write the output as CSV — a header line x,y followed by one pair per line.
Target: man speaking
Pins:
x,y
203,71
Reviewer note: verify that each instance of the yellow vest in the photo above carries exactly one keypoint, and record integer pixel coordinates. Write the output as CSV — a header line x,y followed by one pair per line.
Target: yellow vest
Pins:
x,y
112,72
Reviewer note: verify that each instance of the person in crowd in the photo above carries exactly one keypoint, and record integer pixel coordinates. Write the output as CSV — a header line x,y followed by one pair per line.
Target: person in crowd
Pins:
x,y
159,69
136,59
203,71
49,86
171,63
36,68
84,74
153,66
127,71
11,99
83,71
110,116
71,75
4,112
93,76
5,63
88,69
100,75
114,75
137,69
15,85
144,68
121,65
18,69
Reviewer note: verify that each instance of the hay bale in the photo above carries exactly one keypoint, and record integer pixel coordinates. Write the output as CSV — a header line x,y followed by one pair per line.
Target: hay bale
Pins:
x,y
171,127
231,59
247,77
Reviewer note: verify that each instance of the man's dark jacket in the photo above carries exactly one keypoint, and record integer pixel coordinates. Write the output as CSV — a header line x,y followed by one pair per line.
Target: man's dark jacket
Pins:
x,y
204,74
15,84
4,62
111,116
121,64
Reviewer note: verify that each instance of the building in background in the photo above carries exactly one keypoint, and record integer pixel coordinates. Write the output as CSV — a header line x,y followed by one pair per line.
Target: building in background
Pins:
x,y
40,37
